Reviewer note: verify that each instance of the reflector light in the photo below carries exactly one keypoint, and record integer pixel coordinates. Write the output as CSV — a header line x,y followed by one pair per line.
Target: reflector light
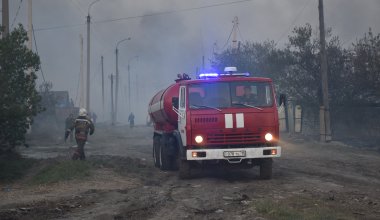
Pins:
x,y
268,137
273,152
198,139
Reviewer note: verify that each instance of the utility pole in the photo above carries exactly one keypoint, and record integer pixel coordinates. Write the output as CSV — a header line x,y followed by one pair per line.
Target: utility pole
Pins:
x,y
325,109
234,32
82,83
5,16
117,73
203,63
102,84
88,65
30,25
88,22
112,109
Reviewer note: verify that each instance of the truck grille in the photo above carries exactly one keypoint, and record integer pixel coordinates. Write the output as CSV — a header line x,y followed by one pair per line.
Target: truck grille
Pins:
x,y
233,138
206,120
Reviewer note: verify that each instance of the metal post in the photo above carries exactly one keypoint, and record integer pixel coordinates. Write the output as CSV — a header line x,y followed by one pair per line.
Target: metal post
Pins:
x,y
102,59
88,65
117,82
30,25
117,73
112,109
129,89
82,89
325,89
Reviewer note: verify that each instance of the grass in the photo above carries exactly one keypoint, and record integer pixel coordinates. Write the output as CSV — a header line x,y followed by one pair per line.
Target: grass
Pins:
x,y
299,208
14,167
63,171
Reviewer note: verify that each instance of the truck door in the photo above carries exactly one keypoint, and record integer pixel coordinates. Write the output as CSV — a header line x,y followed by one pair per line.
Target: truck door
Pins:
x,y
182,114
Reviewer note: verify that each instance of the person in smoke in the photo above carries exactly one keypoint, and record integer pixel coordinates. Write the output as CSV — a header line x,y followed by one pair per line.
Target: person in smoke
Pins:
x,y
248,97
83,126
131,120
68,122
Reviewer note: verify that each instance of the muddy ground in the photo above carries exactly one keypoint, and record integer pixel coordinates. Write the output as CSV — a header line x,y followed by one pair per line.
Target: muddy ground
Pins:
x,y
311,180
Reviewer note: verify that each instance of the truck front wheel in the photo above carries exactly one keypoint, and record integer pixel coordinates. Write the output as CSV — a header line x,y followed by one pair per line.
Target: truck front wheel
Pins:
x,y
266,168
184,169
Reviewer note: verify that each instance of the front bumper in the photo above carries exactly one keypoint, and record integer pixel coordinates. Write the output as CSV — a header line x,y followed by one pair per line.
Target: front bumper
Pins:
x,y
219,154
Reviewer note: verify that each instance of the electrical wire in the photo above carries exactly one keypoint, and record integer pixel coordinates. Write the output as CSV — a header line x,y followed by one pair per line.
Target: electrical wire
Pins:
x,y
147,15
35,44
18,10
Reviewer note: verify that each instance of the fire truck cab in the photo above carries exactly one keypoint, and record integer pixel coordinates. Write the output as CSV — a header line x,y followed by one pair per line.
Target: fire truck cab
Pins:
x,y
225,119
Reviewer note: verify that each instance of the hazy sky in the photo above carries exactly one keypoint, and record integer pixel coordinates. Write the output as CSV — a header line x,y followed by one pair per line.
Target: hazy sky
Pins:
x,y
168,43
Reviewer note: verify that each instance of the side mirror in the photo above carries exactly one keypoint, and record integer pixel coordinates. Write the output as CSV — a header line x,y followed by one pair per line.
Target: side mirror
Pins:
x,y
175,102
282,100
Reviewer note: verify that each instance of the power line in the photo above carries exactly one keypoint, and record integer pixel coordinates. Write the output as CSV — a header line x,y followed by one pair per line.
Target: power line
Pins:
x,y
294,21
35,44
18,10
147,15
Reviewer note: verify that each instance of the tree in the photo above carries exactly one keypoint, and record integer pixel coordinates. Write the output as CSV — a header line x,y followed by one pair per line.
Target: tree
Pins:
x,y
365,71
19,100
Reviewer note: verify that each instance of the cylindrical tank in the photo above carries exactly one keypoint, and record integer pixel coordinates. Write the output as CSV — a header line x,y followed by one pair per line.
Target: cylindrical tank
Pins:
x,y
160,107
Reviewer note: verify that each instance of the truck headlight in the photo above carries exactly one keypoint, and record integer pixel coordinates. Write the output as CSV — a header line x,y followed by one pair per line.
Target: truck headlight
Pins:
x,y
198,139
268,137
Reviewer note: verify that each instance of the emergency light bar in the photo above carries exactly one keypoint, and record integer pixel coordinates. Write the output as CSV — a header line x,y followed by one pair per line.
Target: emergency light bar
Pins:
x,y
234,74
207,75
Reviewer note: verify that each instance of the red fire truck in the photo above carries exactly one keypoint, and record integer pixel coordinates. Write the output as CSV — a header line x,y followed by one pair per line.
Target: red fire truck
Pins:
x,y
225,119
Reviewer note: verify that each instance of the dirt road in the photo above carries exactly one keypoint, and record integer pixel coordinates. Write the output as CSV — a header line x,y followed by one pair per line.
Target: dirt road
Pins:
x,y
310,181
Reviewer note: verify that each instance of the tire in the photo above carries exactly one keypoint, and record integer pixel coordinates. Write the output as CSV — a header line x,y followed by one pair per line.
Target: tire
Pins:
x,y
164,157
184,169
266,169
156,153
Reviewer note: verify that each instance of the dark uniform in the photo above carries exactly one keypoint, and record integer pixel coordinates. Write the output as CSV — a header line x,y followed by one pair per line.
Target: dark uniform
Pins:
x,y
83,126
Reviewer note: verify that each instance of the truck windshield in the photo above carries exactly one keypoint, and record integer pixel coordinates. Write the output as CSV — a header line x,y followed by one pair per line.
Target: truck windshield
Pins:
x,y
230,94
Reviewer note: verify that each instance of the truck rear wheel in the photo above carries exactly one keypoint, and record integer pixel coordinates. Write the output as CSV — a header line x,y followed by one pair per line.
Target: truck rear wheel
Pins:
x,y
266,169
164,157
156,153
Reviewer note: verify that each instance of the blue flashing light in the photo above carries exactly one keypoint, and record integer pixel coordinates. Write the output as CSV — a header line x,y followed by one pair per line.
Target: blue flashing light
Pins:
x,y
208,75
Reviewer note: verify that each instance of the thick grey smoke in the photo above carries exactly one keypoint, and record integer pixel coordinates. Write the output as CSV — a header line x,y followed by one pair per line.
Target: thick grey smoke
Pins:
x,y
171,43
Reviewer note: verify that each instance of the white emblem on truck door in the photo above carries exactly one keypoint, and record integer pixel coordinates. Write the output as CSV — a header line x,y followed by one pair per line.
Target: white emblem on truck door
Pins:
x,y
228,120
239,120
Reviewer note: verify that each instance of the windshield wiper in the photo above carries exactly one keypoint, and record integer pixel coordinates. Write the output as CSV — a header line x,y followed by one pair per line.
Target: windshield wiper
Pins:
x,y
205,106
246,105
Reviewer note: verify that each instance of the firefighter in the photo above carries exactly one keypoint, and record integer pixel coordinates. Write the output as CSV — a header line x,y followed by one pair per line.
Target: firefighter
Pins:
x,y
248,97
131,120
69,121
83,126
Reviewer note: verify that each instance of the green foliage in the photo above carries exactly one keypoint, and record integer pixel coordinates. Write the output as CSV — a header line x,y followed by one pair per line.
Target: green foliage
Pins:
x,y
19,98
294,208
61,171
14,167
365,68
353,74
